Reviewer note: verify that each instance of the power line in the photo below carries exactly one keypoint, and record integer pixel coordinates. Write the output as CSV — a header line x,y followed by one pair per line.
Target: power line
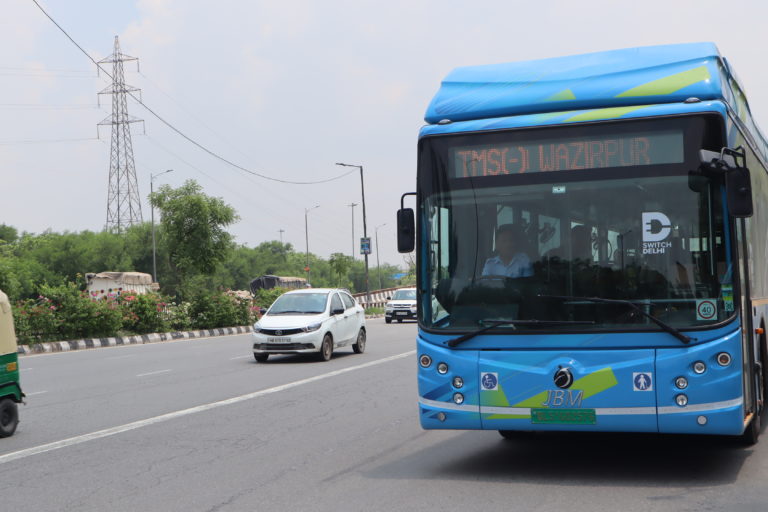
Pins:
x,y
42,141
179,132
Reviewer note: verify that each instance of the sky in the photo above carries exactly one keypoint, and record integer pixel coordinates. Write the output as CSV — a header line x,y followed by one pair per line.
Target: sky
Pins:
x,y
287,89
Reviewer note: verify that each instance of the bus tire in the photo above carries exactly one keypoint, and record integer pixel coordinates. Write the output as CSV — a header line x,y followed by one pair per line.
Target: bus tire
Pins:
x,y
326,348
261,358
359,347
9,417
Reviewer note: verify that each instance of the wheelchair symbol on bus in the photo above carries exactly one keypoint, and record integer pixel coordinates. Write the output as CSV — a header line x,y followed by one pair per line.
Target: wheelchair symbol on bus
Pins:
x,y
489,381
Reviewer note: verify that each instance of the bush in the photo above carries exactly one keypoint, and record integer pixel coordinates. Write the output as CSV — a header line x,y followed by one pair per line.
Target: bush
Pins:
x,y
80,317
216,309
143,314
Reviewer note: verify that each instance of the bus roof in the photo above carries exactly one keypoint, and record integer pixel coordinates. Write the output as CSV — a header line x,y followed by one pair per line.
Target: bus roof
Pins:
x,y
603,85
632,76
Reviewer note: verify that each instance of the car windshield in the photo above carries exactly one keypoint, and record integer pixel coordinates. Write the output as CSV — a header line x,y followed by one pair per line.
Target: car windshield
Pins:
x,y
404,295
299,304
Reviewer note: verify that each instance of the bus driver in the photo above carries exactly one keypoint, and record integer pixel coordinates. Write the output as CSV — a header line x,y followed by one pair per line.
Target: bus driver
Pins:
x,y
508,262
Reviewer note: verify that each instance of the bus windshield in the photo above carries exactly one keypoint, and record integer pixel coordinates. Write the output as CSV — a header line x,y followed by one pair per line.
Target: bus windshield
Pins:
x,y
502,248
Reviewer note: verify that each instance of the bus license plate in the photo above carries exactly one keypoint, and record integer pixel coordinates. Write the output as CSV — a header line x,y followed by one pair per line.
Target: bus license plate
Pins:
x,y
564,416
279,340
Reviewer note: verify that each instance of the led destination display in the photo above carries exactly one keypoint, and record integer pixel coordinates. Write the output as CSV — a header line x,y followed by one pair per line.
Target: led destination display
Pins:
x,y
650,148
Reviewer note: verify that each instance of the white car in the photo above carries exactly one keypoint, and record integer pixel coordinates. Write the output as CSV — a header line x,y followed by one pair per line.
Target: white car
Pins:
x,y
315,320
401,305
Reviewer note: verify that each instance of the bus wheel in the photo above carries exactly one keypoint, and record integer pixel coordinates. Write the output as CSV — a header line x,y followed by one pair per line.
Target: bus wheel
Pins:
x,y
359,347
326,348
9,417
261,358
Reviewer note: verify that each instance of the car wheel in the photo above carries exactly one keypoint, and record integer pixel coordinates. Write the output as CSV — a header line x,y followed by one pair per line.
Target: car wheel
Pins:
x,y
359,347
326,348
261,357
9,417
388,320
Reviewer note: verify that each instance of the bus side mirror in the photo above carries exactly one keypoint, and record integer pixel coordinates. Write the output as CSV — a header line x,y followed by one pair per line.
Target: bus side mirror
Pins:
x,y
738,187
406,230
738,190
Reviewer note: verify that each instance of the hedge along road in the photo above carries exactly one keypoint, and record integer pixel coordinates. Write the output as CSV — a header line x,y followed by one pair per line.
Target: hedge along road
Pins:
x,y
344,435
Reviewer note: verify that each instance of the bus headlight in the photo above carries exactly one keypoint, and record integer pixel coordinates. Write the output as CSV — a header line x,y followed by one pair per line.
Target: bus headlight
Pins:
x,y
723,358
699,367
458,398
458,382
425,361
681,383
442,368
681,400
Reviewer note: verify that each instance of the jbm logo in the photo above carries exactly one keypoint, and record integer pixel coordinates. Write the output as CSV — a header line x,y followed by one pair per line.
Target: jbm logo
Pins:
x,y
656,228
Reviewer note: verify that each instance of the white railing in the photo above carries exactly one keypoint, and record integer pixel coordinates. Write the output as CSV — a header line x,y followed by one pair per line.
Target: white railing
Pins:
x,y
378,297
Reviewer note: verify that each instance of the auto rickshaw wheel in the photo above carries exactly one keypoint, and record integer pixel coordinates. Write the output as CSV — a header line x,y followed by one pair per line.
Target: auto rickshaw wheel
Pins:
x,y
9,417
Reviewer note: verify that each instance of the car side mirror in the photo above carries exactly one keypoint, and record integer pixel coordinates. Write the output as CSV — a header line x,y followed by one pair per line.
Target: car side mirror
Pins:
x,y
337,311
738,186
389,298
406,230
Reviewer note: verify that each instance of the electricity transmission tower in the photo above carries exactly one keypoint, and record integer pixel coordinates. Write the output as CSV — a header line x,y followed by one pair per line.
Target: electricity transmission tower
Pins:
x,y
123,202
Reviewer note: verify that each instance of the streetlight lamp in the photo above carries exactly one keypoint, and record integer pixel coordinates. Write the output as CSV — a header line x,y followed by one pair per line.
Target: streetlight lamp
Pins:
x,y
152,210
365,229
378,267
306,235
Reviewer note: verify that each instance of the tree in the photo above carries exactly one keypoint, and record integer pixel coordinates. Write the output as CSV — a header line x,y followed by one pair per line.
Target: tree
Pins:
x,y
340,263
193,228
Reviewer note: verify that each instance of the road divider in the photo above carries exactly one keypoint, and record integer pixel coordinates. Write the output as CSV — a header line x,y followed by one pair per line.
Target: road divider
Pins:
x,y
66,346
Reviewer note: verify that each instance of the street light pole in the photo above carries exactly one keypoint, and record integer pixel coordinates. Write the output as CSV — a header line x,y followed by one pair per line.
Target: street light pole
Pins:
x,y
306,236
365,229
152,210
378,266
352,207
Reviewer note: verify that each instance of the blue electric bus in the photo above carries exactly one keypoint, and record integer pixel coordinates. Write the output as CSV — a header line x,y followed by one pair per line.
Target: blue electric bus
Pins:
x,y
591,236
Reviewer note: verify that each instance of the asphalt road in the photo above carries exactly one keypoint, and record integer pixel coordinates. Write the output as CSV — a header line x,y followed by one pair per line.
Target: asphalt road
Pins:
x,y
197,425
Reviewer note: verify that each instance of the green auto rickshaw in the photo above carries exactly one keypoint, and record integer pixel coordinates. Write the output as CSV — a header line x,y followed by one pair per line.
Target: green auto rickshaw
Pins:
x,y
10,390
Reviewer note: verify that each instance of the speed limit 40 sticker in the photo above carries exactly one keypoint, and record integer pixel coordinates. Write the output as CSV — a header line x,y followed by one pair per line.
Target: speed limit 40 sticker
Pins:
x,y
706,309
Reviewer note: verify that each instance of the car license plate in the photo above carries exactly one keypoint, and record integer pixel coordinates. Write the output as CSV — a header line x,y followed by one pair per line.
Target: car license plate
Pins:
x,y
279,340
401,313
564,416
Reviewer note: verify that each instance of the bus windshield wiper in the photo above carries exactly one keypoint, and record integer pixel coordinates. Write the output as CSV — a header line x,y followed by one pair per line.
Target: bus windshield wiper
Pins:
x,y
492,324
664,326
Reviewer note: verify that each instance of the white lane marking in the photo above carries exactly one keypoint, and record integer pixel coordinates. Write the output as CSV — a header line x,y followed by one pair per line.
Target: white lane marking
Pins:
x,y
26,369
241,357
153,373
9,457
35,393
121,357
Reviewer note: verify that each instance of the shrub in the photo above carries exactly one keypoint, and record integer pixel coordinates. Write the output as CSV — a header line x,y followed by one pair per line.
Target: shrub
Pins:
x,y
80,317
216,309
143,313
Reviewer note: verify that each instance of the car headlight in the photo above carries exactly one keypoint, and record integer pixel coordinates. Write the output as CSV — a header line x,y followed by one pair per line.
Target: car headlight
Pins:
x,y
312,327
388,306
256,327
